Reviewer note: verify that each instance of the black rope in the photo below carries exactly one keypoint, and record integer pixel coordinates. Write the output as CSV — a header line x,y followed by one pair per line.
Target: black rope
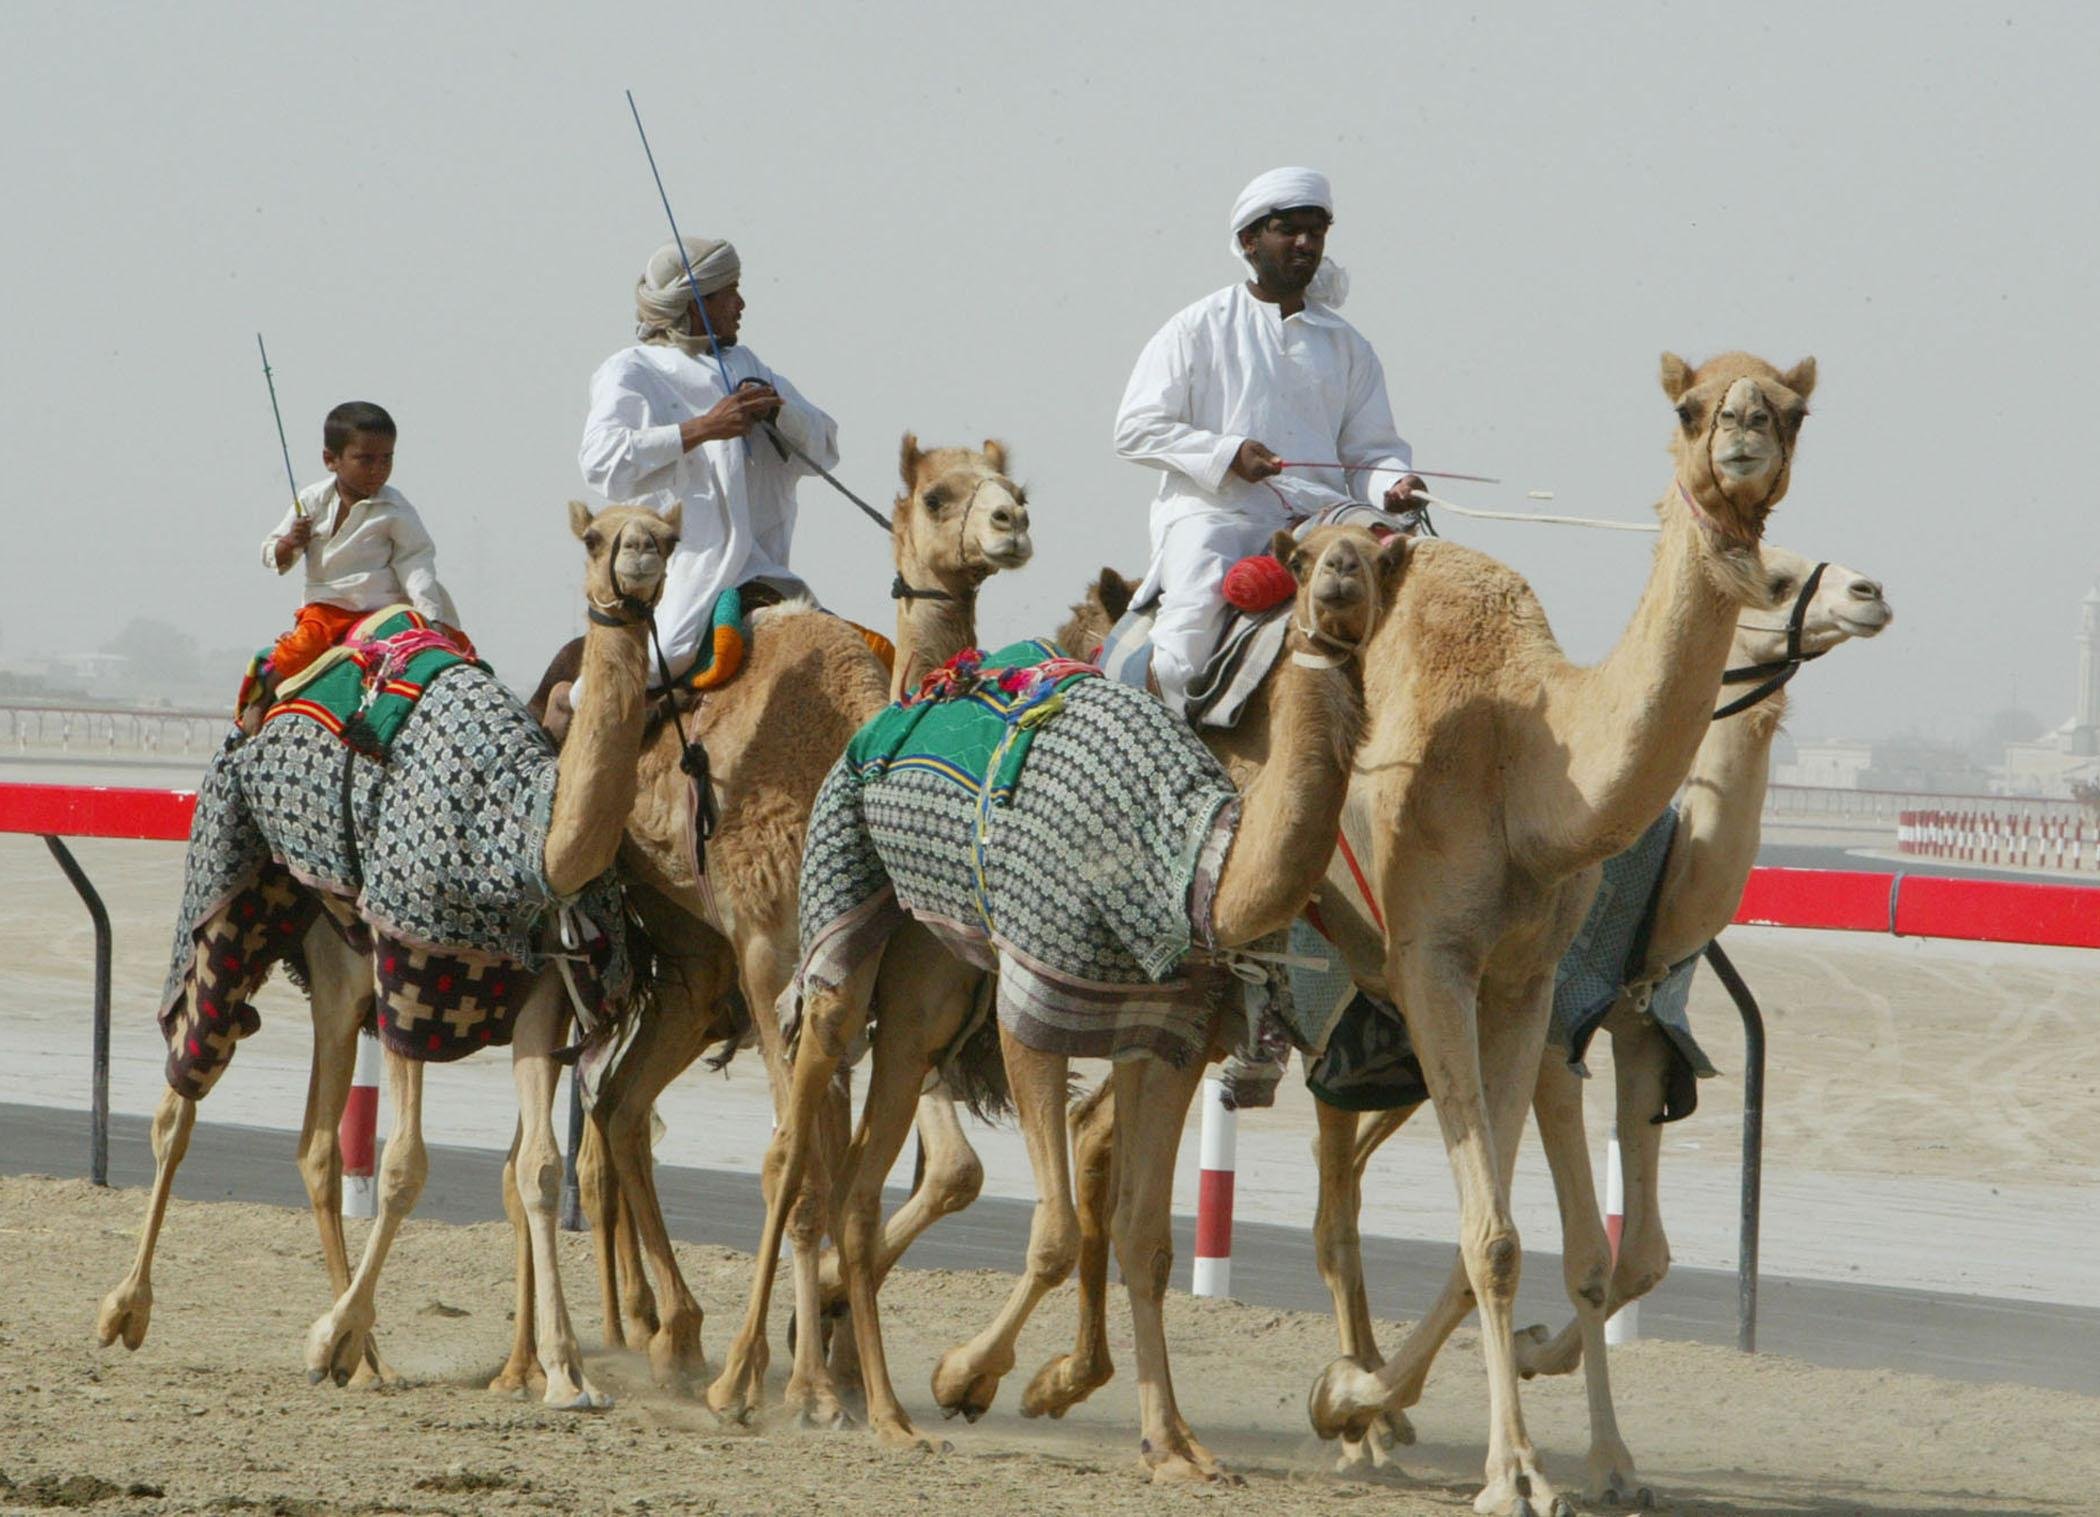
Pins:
x,y
692,760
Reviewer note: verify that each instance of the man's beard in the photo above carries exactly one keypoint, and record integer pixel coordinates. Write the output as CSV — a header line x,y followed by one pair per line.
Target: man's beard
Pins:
x,y
1279,278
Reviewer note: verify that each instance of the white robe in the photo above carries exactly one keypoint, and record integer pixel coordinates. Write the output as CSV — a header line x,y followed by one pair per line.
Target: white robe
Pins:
x,y
379,556
1228,369
739,501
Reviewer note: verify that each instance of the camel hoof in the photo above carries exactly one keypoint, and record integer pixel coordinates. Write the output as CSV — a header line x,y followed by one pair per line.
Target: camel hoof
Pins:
x,y
124,1315
1562,1507
1524,1508
1344,1400
315,1377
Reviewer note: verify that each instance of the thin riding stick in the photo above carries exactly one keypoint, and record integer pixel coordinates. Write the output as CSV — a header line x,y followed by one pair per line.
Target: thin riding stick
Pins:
x,y
298,508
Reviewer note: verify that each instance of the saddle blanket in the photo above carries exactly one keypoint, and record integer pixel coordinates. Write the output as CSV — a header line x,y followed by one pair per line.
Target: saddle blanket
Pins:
x,y
1085,886
364,688
431,862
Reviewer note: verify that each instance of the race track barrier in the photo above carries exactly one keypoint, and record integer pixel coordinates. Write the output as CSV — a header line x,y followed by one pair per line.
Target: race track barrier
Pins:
x,y
2022,837
1907,905
57,812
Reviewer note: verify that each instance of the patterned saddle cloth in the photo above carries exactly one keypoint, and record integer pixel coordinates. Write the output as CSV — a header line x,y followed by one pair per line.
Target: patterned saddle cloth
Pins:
x,y
364,688
431,862
1083,878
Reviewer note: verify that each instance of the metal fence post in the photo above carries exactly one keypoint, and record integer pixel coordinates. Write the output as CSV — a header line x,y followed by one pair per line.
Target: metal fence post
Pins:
x,y
98,1105
1753,1143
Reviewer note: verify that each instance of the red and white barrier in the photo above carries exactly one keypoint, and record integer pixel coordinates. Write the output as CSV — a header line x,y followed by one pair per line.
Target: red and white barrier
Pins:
x,y
1624,1325
358,1134
2023,839
1214,1193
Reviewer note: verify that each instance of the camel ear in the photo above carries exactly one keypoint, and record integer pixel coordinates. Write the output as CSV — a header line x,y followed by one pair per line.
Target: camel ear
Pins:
x,y
1801,378
579,517
1281,546
1392,558
995,454
674,518
1114,593
908,460
1676,376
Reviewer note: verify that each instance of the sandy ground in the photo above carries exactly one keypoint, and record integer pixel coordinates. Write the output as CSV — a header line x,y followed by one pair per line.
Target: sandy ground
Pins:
x,y
1932,1115
214,1414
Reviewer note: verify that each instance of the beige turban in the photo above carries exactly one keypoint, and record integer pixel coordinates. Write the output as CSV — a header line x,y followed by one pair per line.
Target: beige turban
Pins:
x,y
663,297
1287,190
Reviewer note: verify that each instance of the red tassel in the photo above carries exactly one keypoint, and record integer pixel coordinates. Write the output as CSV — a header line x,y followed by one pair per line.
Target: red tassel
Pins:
x,y
1256,584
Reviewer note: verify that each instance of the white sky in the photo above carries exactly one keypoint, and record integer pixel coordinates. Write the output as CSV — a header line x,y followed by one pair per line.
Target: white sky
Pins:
x,y
966,220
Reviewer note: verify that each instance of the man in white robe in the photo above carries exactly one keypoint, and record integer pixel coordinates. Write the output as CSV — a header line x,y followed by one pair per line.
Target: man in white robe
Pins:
x,y
663,427
1261,373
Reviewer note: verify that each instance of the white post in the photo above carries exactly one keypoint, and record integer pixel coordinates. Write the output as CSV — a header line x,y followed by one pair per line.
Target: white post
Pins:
x,y
1624,1325
1214,1194
358,1136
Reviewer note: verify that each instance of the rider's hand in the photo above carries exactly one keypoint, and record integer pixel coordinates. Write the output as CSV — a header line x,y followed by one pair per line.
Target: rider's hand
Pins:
x,y
731,416
1402,495
1255,462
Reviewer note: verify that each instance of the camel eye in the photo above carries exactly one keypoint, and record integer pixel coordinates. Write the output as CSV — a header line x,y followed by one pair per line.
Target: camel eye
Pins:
x,y
935,500
1782,587
1688,415
593,540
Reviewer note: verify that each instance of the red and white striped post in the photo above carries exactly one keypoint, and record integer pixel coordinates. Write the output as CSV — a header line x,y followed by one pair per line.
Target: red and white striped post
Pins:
x,y
1624,1325
1214,1193
358,1135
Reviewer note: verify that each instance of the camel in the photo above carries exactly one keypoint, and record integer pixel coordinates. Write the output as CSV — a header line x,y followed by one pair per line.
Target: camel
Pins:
x,y
1702,881
809,683
1289,784
592,793
1710,859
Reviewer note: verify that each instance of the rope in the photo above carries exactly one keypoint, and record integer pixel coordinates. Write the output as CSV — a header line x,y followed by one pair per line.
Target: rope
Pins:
x,y
1546,518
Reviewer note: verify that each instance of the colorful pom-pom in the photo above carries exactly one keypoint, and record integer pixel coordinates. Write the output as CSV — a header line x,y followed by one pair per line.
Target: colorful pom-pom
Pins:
x,y
1256,584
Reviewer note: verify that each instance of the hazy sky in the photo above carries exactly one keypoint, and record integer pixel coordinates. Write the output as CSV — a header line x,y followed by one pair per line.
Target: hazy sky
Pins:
x,y
966,220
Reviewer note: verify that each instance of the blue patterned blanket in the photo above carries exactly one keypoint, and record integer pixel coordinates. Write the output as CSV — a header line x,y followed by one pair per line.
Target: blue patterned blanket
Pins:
x,y
1085,890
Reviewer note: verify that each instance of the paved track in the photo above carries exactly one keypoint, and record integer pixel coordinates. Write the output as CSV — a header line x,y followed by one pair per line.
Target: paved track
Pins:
x,y
1957,1336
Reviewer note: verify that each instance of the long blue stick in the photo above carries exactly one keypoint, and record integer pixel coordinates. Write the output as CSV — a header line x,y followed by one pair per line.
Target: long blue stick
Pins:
x,y
677,241
298,509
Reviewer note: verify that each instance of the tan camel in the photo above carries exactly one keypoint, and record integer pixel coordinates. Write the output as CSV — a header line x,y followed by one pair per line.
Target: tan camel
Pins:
x,y
1710,858
627,549
1291,780
771,734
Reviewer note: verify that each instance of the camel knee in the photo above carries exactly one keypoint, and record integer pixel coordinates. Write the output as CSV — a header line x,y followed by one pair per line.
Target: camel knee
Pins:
x,y
1146,1257
1494,1264
1053,1246
955,1183
539,1178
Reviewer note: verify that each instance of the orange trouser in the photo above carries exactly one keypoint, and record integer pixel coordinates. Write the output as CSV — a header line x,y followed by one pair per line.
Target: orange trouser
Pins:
x,y
319,628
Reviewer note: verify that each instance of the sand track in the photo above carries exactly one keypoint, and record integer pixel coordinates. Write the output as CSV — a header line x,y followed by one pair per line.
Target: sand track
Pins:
x,y
214,1414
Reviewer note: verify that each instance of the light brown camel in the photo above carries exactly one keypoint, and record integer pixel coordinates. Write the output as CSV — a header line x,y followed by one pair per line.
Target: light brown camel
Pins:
x,y
1710,857
1291,777
627,549
771,735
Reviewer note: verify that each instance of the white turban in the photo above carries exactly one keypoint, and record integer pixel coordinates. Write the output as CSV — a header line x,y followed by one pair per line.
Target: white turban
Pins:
x,y
663,296
1285,190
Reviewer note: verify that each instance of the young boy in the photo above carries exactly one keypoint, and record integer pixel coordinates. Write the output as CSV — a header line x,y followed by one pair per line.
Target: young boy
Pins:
x,y
364,545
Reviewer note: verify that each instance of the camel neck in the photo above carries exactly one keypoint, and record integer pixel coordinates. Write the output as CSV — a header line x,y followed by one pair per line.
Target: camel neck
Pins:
x,y
930,629
594,785
1627,729
1291,806
1719,812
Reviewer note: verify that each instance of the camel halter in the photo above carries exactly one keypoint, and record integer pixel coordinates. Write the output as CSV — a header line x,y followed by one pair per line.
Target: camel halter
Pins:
x,y
1342,652
908,593
1776,672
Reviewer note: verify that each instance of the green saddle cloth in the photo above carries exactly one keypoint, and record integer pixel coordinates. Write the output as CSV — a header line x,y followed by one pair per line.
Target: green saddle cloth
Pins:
x,y
364,696
973,720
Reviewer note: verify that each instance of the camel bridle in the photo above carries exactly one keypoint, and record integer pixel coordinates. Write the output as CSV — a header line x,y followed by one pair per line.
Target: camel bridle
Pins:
x,y
900,590
1776,672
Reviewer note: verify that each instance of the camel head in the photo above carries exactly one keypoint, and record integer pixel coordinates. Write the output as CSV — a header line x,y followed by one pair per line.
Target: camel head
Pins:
x,y
1845,604
1095,613
960,518
1737,421
1346,579
627,548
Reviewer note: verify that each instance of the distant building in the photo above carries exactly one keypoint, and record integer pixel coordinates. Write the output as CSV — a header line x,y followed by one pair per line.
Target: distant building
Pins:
x,y
2050,764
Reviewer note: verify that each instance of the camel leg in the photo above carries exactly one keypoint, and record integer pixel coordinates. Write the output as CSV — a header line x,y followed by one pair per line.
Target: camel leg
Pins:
x,y
1152,1103
831,1019
1069,1379
1587,1268
127,1310
1342,1149
1479,1083
341,996
538,1033
967,1377
620,1293
897,1071
338,1339
520,1372
1640,1054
